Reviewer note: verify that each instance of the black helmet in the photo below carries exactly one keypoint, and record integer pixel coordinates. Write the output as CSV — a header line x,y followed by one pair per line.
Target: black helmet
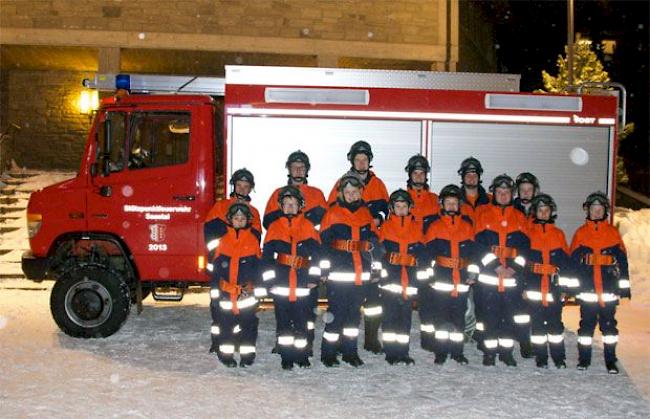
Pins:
x,y
502,181
291,191
351,178
242,174
237,208
417,162
470,165
597,197
360,147
298,156
400,195
543,200
527,177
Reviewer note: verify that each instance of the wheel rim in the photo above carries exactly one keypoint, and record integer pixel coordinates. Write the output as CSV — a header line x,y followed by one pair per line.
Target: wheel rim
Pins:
x,y
88,303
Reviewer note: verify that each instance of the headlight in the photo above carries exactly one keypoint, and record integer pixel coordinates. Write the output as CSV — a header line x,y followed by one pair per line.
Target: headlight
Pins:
x,y
34,222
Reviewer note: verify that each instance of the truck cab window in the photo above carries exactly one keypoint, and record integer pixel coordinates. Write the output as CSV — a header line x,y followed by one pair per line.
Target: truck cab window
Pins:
x,y
117,144
159,139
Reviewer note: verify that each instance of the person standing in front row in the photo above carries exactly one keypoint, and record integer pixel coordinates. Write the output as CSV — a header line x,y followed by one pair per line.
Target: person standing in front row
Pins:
x,y
348,235
599,255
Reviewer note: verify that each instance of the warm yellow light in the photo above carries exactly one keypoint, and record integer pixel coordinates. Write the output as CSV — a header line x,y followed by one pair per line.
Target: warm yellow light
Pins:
x,y
201,263
88,101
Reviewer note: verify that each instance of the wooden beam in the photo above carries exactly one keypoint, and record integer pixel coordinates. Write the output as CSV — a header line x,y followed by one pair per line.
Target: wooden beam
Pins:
x,y
109,60
224,43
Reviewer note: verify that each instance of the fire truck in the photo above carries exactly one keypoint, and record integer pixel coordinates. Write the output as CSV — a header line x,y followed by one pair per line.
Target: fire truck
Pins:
x,y
130,222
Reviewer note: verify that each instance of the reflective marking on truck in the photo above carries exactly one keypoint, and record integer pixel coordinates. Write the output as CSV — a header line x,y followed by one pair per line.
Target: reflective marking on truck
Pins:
x,y
156,208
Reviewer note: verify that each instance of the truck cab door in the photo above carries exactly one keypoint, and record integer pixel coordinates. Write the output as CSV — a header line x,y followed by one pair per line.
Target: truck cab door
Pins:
x,y
146,194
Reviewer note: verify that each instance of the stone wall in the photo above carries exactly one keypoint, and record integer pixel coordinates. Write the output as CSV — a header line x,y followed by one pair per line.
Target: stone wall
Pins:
x,y
394,21
45,105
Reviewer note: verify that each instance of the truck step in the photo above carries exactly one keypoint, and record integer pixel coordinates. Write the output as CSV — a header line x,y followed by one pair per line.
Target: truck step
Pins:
x,y
168,294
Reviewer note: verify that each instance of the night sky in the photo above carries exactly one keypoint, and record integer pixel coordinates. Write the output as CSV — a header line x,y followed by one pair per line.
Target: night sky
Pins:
x,y
529,35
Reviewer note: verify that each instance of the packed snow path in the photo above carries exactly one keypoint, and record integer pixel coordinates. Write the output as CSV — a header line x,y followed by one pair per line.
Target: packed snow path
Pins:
x,y
158,365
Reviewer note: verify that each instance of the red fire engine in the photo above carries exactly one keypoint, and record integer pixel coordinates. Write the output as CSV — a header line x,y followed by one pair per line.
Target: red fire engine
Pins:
x,y
130,222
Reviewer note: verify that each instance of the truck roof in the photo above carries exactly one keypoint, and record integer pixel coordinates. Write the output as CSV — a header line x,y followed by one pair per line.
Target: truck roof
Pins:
x,y
157,99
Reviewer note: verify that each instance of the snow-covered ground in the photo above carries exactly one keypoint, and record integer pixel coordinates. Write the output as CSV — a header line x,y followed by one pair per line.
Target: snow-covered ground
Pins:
x,y
158,365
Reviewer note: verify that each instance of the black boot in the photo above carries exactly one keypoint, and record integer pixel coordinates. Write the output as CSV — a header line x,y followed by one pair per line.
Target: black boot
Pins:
x,y
330,361
246,361
228,362
460,358
304,363
584,357
287,365
392,360
353,360
526,349
371,335
541,362
508,359
440,359
612,368
488,360
583,365
407,360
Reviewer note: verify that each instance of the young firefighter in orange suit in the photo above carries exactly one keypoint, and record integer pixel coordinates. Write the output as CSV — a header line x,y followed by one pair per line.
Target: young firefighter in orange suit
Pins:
x,y
402,236
425,202
349,235
242,182
502,244
547,260
527,187
291,249
234,252
298,166
601,263
450,246
375,197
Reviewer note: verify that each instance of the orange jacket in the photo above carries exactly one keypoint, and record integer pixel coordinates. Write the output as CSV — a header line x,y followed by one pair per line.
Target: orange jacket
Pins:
x,y
548,252
216,218
374,194
402,238
314,209
425,206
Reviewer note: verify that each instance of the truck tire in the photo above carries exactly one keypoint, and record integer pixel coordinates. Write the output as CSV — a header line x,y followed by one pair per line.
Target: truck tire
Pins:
x,y
90,301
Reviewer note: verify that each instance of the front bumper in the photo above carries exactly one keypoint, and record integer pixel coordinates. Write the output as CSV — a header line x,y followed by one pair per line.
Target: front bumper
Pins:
x,y
34,268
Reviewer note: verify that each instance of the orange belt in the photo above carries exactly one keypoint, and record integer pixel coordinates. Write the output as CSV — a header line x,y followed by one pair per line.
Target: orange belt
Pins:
x,y
234,290
452,263
544,269
352,245
296,262
401,259
504,252
598,260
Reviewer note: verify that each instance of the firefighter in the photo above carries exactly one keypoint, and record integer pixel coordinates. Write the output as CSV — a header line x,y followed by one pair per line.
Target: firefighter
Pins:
x,y
502,243
290,257
548,271
474,197
242,182
402,237
234,281
375,193
348,235
375,197
450,245
527,187
601,263
425,202
298,166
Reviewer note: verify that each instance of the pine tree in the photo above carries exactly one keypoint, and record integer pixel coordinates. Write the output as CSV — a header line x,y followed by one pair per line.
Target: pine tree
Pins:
x,y
586,68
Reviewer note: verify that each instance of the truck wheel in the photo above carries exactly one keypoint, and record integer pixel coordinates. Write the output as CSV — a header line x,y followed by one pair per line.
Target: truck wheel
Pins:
x,y
90,301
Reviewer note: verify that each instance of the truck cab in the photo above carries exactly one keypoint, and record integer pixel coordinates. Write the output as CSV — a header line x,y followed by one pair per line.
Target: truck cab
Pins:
x,y
131,220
